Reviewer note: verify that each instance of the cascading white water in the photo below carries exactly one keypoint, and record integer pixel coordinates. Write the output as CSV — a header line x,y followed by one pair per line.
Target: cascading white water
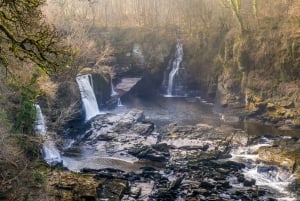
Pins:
x,y
85,83
175,68
40,125
274,177
50,152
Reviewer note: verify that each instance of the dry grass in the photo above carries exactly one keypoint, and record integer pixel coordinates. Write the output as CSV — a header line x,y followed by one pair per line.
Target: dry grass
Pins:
x,y
20,177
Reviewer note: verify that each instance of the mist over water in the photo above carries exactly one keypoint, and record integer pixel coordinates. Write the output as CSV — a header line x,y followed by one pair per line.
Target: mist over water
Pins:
x,y
180,110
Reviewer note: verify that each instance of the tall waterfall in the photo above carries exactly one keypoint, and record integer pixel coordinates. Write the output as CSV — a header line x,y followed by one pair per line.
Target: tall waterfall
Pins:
x,y
172,84
40,125
49,150
85,83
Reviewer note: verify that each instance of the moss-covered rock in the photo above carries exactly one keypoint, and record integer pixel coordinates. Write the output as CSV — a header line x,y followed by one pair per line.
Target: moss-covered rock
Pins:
x,y
64,185
276,155
285,152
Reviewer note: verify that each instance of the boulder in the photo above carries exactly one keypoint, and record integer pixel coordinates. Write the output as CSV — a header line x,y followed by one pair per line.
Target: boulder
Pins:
x,y
277,155
135,192
149,153
112,189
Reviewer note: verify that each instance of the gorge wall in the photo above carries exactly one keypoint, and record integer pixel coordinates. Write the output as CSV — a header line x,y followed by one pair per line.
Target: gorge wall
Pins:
x,y
242,54
256,71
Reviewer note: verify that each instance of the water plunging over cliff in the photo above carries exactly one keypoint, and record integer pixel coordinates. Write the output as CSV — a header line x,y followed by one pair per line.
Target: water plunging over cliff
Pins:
x,y
40,125
120,103
173,78
85,83
113,92
49,150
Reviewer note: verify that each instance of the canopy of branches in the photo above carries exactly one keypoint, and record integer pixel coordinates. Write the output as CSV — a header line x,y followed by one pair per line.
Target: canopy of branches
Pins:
x,y
24,35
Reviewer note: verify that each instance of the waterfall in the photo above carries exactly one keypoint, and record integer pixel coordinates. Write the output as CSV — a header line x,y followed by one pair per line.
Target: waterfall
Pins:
x,y
49,151
40,125
85,83
113,92
175,67
119,102
173,80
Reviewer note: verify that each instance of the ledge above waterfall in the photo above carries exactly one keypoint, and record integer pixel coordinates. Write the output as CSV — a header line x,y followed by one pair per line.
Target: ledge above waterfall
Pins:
x,y
126,84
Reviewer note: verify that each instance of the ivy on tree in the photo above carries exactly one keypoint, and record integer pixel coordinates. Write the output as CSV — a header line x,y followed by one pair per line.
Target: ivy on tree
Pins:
x,y
25,35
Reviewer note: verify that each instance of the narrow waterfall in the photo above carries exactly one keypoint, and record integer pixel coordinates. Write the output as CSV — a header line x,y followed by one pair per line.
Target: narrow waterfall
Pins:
x,y
49,151
113,92
175,67
85,83
173,80
119,102
40,125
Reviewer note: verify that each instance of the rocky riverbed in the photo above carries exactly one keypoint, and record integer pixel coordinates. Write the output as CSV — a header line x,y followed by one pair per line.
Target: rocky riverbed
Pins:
x,y
126,157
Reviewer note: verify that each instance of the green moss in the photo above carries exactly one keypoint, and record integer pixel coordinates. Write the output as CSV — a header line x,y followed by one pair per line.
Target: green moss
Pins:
x,y
39,177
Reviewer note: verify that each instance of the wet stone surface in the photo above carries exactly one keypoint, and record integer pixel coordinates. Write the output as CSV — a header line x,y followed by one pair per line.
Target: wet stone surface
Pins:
x,y
171,163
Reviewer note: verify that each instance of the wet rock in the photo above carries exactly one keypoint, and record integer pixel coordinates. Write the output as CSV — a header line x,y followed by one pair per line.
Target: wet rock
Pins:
x,y
105,137
112,190
263,169
72,151
194,147
102,125
176,183
249,183
143,128
164,194
207,185
204,147
190,154
135,192
162,147
230,165
131,176
152,174
224,184
147,152
135,115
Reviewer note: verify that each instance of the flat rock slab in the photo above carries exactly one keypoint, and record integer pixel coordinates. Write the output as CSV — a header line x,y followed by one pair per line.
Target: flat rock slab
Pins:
x,y
126,84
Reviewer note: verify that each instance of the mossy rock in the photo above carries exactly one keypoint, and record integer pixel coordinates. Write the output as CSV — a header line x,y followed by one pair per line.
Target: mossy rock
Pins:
x,y
281,112
254,99
72,186
86,70
287,104
290,114
270,106
277,155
